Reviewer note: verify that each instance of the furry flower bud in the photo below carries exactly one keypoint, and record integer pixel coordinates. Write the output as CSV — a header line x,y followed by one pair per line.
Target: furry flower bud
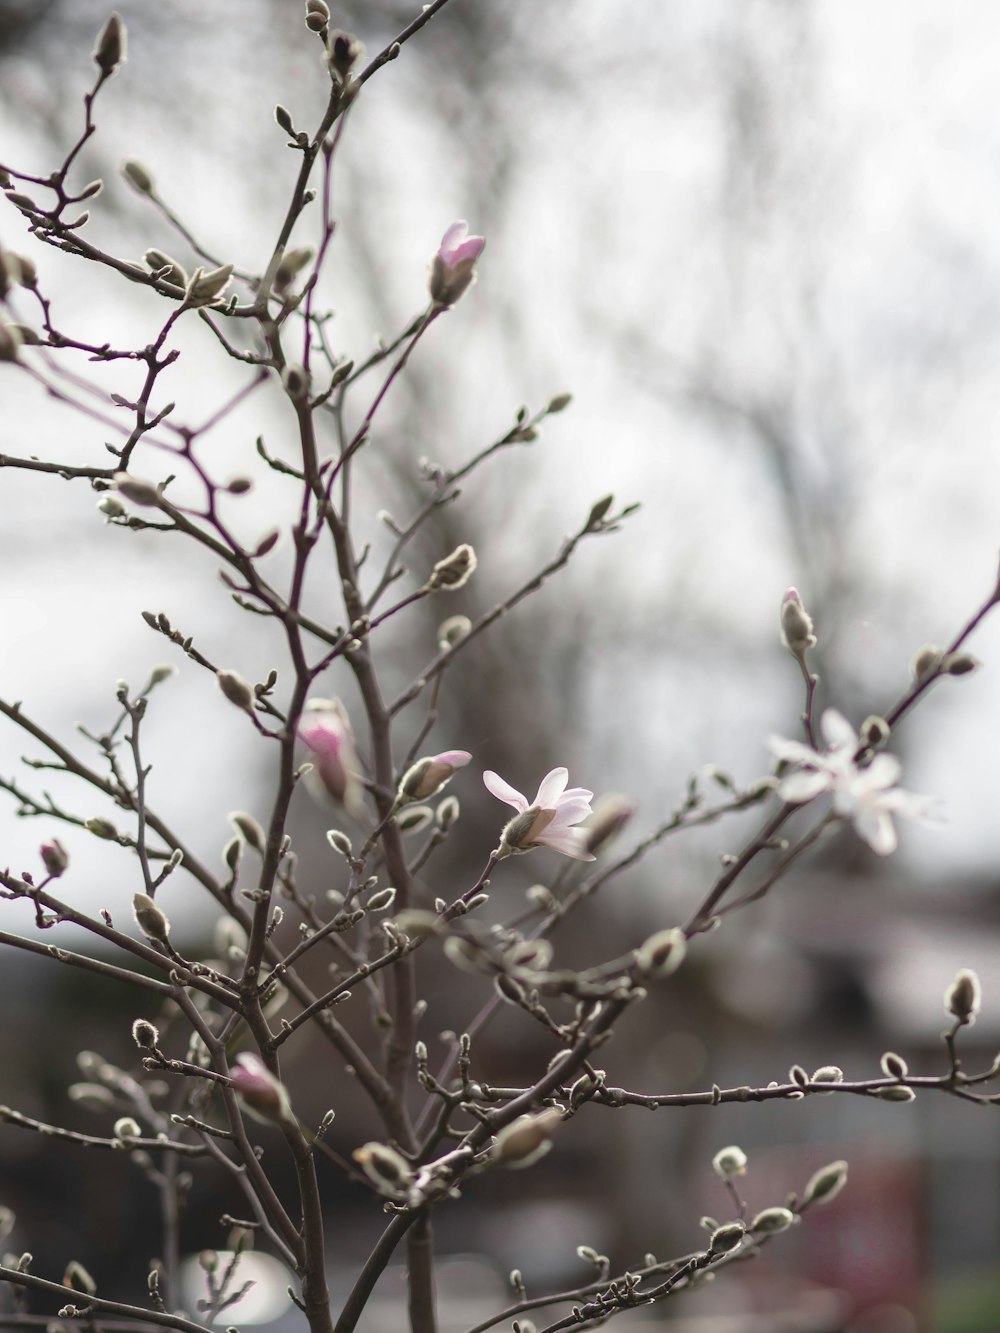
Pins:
x,y
825,1184
427,776
387,1169
526,1139
236,689
729,1162
112,46
453,571
150,919
964,996
796,625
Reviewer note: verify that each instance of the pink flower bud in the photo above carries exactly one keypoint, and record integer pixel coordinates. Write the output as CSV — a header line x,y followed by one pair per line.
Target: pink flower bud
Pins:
x,y
428,776
453,270
54,856
257,1088
325,731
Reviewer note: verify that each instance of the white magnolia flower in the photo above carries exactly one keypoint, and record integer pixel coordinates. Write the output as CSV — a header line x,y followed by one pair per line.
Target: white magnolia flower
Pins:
x,y
547,821
867,796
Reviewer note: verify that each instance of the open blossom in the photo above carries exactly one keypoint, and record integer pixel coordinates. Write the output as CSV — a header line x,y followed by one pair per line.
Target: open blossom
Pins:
x,y
547,821
325,731
453,270
429,775
867,796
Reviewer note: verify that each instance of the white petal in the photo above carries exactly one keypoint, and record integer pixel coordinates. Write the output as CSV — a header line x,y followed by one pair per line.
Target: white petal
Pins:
x,y
883,771
793,752
798,787
837,731
571,812
503,791
551,788
568,841
876,828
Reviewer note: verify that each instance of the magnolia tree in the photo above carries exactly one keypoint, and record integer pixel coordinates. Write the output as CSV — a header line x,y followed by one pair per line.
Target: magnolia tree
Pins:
x,y
207,1088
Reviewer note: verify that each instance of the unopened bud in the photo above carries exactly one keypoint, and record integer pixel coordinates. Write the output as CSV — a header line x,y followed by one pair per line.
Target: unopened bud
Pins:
x,y
292,261
145,1035
729,1162
559,403
175,274
340,842
796,625
727,1237
54,856
253,834
296,382
101,828
874,731
448,812
150,919
77,1277
896,1093
964,996
414,818
387,1169
771,1221
127,1128
661,954
138,177
205,287
452,631
10,341
827,1074
378,902
925,662
112,45
427,776
342,53
236,689
959,664
525,1140
610,816
894,1066
139,492
258,1089
453,571
825,1184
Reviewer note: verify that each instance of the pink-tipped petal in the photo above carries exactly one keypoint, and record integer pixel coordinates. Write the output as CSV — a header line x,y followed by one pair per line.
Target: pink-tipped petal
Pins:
x,y
453,758
452,238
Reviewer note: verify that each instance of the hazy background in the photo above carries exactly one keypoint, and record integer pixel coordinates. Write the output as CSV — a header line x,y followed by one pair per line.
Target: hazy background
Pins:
x,y
758,242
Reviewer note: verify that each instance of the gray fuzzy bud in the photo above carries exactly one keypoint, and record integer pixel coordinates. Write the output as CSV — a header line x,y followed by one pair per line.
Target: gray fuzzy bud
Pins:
x,y
139,492
112,46
236,689
253,834
138,177
145,1035
964,996
771,1221
726,1238
151,921
454,570
827,1182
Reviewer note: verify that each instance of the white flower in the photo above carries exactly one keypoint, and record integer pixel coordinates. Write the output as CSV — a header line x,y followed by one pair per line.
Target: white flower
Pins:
x,y
867,796
546,821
